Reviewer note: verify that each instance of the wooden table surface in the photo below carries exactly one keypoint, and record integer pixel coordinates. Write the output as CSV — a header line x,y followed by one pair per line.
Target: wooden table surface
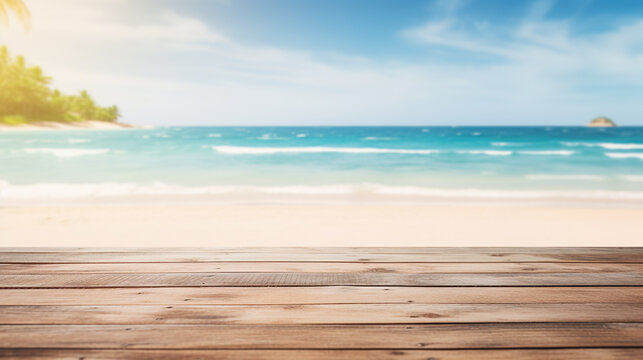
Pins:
x,y
321,303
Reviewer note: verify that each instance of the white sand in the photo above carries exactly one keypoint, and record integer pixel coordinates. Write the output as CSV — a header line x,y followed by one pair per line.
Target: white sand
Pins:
x,y
319,225
90,125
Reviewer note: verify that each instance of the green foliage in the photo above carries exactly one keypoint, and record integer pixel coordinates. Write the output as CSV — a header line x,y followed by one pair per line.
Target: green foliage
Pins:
x,y
25,92
13,120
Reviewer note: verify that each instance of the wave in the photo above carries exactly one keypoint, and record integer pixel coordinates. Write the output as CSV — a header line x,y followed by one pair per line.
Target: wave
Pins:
x,y
245,150
576,144
66,153
548,152
248,150
486,152
33,141
214,135
506,144
625,155
575,177
269,137
375,138
102,190
633,178
608,146
301,135
43,141
509,194
49,191
613,146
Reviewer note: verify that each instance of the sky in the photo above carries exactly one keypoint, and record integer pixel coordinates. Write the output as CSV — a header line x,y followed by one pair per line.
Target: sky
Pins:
x,y
344,62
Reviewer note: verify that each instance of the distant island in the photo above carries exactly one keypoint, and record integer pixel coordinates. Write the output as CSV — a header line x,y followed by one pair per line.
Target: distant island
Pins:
x,y
26,100
601,122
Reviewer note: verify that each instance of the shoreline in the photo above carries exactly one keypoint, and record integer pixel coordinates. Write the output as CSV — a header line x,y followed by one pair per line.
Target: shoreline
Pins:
x,y
318,200
317,225
80,125
161,194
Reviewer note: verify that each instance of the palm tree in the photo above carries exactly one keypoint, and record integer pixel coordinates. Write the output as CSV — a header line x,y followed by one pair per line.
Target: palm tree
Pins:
x,y
18,8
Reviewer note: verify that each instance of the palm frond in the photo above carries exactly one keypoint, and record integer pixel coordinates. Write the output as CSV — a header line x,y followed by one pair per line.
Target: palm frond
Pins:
x,y
18,8
4,17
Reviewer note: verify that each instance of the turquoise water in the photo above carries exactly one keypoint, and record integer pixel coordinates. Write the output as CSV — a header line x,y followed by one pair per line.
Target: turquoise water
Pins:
x,y
412,163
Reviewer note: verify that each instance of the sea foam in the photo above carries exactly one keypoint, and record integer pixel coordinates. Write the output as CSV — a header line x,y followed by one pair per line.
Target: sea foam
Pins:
x,y
376,138
633,178
613,146
246,150
625,155
608,146
508,194
500,143
59,191
486,152
105,190
548,152
66,153
269,137
574,177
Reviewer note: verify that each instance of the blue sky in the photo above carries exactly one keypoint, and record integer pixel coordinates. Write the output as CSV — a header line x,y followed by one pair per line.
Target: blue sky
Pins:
x,y
372,27
357,62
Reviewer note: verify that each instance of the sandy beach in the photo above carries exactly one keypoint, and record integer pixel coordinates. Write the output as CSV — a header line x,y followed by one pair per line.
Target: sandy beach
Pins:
x,y
48,125
319,225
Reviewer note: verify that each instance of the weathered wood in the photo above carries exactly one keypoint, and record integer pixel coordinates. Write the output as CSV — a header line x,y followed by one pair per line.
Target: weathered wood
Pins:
x,y
468,336
526,354
409,268
321,314
318,279
314,303
321,295
98,257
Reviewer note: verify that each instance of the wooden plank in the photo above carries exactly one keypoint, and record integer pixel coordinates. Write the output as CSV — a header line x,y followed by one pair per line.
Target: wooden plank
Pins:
x,y
451,309
408,268
321,295
107,257
317,279
526,354
338,250
321,314
469,336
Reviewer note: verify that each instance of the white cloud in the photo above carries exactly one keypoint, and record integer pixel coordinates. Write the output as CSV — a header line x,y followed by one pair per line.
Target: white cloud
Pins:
x,y
170,28
166,68
443,33
544,46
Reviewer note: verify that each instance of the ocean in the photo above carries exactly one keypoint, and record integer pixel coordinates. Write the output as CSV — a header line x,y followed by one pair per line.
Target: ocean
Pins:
x,y
552,165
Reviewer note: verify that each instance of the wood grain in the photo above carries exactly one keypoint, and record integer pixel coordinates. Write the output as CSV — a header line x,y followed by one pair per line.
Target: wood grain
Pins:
x,y
115,257
403,268
321,295
321,314
445,336
321,302
318,279
526,354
